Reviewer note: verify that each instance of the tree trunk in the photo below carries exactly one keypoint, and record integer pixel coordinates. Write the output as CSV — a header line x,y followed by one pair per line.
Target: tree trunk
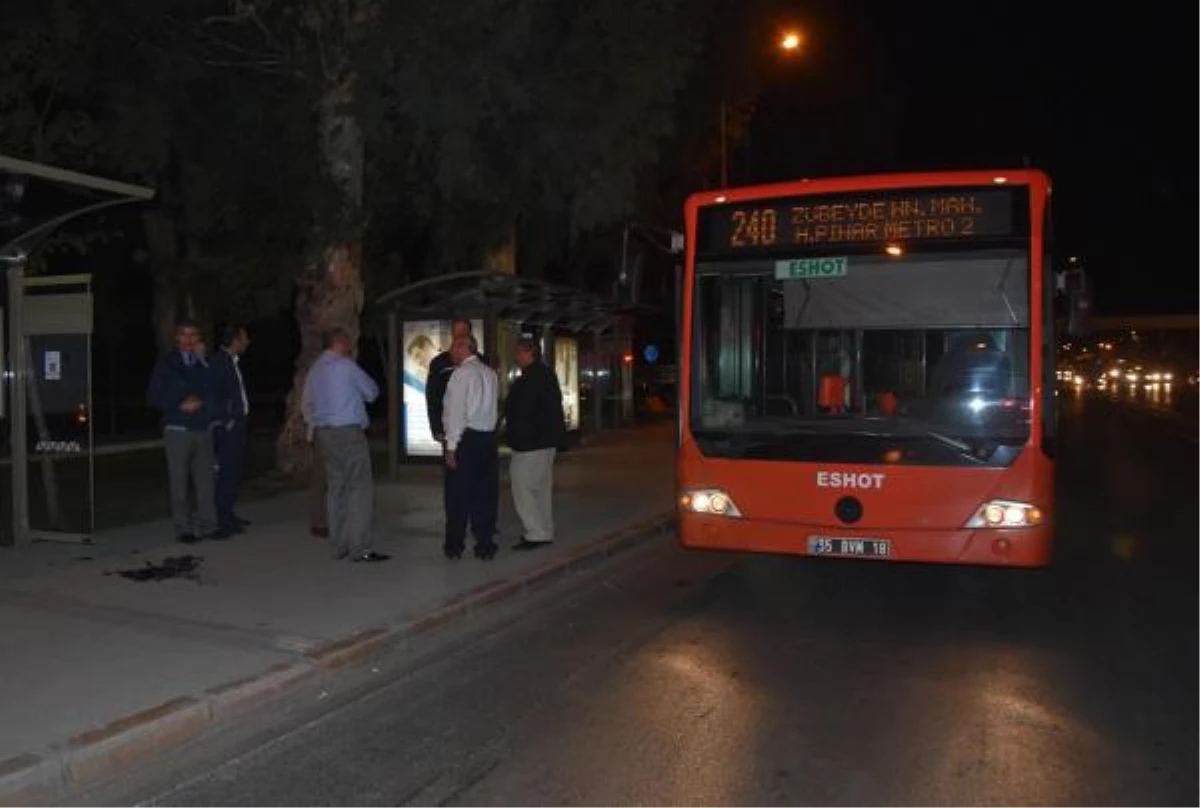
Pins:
x,y
503,258
162,246
330,290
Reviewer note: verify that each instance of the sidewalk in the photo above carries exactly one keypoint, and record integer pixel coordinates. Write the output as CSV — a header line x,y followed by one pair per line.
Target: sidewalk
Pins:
x,y
80,649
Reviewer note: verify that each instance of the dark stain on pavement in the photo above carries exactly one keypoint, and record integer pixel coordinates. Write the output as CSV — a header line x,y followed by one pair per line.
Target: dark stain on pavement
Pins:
x,y
186,567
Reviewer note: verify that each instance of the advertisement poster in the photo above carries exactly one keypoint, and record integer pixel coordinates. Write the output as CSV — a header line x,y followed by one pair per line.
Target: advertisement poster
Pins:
x,y
424,340
53,366
566,368
503,359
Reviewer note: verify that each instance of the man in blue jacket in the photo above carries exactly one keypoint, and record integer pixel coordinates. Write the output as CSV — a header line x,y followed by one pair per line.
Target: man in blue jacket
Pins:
x,y
233,407
181,387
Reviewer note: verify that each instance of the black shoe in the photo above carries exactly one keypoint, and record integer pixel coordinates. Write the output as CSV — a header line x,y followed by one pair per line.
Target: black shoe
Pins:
x,y
370,557
525,545
187,538
243,523
233,530
485,552
452,553
218,535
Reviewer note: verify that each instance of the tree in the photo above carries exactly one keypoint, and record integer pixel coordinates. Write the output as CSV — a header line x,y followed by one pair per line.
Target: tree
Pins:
x,y
104,87
311,47
265,123
44,52
493,106
545,118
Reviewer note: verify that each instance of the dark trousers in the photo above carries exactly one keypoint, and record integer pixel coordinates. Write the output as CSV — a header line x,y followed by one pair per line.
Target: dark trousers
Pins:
x,y
231,457
473,491
318,516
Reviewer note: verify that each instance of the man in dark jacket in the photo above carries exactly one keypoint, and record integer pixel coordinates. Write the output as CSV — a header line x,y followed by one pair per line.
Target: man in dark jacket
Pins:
x,y
439,376
181,387
534,427
233,407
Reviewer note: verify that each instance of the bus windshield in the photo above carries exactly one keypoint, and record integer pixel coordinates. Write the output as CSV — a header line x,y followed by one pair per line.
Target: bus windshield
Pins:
x,y
916,358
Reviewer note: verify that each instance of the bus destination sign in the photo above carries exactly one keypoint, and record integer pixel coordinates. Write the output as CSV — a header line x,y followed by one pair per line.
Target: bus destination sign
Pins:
x,y
916,215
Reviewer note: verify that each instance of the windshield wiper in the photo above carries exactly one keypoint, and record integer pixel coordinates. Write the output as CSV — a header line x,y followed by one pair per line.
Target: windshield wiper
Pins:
x,y
957,444
964,449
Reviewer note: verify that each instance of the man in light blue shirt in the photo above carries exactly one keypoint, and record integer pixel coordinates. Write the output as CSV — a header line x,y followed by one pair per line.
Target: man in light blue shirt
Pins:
x,y
336,392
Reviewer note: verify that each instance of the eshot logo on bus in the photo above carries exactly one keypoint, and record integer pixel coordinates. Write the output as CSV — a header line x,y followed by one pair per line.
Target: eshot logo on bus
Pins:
x,y
849,479
797,269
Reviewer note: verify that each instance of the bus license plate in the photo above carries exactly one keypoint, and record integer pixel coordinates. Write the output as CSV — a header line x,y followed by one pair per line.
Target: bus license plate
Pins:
x,y
862,548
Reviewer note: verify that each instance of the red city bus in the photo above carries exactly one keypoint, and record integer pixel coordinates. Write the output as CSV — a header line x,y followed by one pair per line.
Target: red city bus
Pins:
x,y
867,369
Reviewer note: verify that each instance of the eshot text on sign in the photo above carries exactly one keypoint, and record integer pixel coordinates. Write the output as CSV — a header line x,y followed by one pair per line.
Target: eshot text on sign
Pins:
x,y
810,268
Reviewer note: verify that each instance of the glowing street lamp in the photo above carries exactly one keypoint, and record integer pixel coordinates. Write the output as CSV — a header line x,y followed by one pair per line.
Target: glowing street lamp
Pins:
x,y
791,41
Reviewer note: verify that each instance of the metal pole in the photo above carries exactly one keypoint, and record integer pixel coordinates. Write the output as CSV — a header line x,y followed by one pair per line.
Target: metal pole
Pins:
x,y
679,356
91,429
394,360
18,426
724,150
859,387
622,276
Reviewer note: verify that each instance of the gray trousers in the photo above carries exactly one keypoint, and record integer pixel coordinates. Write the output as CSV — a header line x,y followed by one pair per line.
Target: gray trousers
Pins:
x,y
532,478
350,493
190,463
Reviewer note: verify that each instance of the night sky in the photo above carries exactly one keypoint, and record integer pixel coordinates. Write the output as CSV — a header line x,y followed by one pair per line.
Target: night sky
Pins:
x,y
1103,102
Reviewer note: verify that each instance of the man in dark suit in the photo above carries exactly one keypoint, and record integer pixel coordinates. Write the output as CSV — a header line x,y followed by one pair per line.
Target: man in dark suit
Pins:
x,y
439,376
233,407
182,388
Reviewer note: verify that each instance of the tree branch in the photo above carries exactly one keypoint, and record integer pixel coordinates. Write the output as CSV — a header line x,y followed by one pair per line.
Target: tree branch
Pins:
x,y
265,67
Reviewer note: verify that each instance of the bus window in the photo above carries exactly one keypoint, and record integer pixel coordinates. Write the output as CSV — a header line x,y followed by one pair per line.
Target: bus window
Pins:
x,y
821,357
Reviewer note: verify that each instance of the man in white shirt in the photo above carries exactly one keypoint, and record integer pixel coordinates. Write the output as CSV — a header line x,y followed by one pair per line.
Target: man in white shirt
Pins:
x,y
472,462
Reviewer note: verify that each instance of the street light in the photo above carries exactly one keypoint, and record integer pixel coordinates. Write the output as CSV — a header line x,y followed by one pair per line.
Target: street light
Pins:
x,y
789,42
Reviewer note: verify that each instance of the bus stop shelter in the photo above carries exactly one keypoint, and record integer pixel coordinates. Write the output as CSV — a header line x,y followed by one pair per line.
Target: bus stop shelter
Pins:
x,y
46,351
585,338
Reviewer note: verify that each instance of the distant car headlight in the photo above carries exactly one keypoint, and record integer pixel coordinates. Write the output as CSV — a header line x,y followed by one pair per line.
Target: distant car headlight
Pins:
x,y
999,513
711,501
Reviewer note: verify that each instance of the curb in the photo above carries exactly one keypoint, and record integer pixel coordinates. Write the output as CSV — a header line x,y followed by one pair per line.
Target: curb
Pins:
x,y
91,756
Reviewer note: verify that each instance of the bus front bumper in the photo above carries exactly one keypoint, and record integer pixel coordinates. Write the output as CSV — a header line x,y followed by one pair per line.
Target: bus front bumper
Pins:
x,y
1010,547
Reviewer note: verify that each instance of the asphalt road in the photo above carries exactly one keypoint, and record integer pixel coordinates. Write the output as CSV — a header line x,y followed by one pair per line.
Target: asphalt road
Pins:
x,y
670,678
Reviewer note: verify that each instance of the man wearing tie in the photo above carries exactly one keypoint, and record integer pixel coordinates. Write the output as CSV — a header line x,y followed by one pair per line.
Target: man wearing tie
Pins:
x,y
181,387
233,407
471,456
336,392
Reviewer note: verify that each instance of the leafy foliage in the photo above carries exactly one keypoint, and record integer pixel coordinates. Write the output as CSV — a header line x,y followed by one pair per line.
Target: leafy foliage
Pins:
x,y
45,57
480,116
542,112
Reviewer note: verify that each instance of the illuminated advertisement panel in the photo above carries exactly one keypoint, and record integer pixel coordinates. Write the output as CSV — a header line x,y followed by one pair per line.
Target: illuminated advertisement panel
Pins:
x,y
566,368
423,340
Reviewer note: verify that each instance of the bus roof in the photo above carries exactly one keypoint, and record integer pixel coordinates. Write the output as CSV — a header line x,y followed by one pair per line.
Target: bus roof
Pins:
x,y
874,182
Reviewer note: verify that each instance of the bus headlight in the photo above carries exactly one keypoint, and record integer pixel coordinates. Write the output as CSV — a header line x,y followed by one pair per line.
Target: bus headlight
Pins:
x,y
1005,513
712,501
